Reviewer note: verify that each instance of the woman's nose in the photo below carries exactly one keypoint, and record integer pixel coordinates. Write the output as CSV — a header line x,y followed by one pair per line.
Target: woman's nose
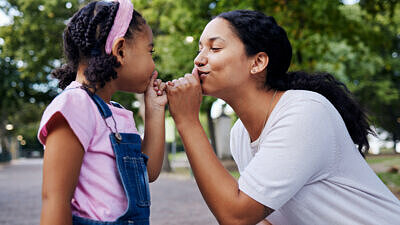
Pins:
x,y
200,60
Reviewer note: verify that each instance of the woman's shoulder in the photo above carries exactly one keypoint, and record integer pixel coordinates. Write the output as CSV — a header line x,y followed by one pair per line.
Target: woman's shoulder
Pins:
x,y
302,101
304,95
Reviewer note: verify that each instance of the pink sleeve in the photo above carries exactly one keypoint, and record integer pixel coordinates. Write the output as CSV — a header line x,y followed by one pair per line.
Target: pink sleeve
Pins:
x,y
77,108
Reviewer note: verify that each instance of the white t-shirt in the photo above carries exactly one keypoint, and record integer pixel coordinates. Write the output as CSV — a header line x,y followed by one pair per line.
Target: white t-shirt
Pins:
x,y
308,169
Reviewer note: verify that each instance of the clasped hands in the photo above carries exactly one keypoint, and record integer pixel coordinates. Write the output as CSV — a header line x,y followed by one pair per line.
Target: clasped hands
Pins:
x,y
184,96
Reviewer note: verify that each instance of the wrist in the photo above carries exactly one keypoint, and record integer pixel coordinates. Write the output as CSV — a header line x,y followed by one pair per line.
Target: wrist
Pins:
x,y
154,110
182,125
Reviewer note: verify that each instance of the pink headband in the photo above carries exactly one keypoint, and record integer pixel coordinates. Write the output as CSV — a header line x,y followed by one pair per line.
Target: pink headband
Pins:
x,y
121,23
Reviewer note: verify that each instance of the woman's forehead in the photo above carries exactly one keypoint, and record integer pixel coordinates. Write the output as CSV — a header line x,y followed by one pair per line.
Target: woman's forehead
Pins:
x,y
217,29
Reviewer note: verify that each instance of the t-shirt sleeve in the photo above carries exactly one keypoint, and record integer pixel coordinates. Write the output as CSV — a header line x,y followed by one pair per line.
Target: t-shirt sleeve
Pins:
x,y
75,106
293,152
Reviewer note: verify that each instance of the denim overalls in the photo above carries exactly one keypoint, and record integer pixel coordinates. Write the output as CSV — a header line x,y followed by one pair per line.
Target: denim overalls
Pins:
x,y
131,164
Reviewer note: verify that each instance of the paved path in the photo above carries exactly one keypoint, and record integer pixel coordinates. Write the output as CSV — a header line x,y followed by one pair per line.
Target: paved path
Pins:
x,y
175,199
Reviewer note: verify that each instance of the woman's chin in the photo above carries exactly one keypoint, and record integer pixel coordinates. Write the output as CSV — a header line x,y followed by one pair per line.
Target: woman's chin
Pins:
x,y
206,90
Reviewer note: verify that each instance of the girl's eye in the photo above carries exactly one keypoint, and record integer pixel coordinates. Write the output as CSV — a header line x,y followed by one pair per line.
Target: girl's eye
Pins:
x,y
152,51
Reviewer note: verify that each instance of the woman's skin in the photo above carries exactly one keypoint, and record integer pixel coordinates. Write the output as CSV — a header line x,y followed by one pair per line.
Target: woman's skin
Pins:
x,y
223,70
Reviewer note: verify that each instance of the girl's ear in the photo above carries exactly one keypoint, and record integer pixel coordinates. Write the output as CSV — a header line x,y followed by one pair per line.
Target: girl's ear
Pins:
x,y
118,49
260,62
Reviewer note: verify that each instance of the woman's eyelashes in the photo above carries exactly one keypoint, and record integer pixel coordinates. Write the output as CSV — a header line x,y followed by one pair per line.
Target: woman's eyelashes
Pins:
x,y
213,49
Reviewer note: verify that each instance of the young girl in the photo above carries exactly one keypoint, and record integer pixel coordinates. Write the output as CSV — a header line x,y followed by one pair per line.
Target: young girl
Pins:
x,y
95,164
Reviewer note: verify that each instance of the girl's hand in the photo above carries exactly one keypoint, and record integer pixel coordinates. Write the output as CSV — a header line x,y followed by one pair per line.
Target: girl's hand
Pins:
x,y
184,98
155,97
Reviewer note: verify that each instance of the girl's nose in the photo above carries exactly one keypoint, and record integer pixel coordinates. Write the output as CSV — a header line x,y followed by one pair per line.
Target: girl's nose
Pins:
x,y
200,60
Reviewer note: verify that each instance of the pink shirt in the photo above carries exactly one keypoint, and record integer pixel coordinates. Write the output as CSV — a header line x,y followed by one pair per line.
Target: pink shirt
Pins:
x,y
99,194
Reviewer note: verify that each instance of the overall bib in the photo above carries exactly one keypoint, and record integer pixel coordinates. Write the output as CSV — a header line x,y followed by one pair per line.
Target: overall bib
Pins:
x,y
131,164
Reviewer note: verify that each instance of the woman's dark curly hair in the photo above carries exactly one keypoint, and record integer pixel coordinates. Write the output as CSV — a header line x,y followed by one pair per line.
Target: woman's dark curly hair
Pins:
x,y
84,41
261,33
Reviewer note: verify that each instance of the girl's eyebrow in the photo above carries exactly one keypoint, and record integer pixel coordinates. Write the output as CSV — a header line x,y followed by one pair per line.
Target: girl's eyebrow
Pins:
x,y
211,39
151,44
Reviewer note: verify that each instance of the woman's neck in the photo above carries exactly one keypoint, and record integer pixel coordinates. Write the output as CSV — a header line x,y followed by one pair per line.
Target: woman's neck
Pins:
x,y
252,106
105,92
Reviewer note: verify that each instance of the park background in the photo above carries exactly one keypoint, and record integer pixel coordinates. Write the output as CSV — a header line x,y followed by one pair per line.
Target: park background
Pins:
x,y
358,41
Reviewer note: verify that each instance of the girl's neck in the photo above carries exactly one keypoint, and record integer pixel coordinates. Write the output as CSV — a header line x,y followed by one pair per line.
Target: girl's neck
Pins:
x,y
105,92
252,106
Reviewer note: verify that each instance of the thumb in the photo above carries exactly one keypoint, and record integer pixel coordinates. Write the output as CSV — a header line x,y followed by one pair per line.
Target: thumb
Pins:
x,y
154,76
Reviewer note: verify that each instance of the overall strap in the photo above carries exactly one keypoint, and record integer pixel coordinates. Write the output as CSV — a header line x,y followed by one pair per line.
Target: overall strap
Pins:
x,y
101,105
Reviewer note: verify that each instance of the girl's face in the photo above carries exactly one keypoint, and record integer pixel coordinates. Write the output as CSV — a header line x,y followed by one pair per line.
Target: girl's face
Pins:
x,y
138,65
222,61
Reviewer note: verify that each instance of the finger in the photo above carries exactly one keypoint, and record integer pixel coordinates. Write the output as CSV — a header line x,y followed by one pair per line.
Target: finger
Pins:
x,y
157,83
153,76
183,81
195,73
175,82
162,86
192,79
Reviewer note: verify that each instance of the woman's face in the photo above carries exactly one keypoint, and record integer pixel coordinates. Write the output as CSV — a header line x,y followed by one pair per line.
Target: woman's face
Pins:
x,y
222,61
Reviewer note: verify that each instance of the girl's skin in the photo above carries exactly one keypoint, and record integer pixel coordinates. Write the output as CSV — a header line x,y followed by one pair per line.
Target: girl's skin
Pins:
x,y
223,70
64,153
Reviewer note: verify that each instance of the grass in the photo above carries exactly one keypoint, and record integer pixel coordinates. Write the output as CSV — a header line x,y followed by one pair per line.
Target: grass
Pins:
x,y
390,179
235,174
385,159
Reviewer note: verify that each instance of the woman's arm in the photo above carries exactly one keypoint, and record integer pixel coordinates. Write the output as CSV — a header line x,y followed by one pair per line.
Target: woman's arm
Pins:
x,y
154,131
219,189
61,166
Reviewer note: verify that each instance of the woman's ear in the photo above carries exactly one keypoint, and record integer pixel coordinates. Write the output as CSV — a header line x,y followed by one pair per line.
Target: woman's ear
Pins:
x,y
260,62
118,49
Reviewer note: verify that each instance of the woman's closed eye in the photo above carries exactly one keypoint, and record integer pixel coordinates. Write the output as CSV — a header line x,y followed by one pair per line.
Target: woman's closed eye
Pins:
x,y
215,49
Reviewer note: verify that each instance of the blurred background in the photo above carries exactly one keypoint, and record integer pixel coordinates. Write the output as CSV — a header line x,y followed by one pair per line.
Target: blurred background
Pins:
x,y
358,41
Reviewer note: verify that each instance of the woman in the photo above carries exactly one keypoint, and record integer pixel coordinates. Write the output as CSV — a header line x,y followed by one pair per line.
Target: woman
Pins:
x,y
298,141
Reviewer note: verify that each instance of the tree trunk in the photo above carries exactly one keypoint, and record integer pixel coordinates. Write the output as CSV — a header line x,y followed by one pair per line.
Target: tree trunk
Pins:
x,y
211,129
166,166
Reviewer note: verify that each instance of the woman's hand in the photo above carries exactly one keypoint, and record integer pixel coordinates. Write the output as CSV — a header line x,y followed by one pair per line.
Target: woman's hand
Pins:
x,y
184,98
155,96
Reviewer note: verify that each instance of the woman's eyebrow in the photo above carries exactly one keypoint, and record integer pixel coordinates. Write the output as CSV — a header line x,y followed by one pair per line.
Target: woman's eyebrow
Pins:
x,y
211,39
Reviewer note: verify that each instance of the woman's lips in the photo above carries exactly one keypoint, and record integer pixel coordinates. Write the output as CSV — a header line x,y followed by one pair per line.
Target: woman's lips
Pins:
x,y
203,74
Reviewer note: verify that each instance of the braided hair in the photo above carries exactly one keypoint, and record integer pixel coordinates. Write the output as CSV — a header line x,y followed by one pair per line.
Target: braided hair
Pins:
x,y
261,33
84,40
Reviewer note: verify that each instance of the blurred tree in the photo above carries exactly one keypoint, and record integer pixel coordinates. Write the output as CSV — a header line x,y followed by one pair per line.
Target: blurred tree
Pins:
x,y
31,48
358,43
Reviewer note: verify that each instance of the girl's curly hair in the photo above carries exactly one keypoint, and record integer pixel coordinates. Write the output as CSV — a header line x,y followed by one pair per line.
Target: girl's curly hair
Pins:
x,y
84,41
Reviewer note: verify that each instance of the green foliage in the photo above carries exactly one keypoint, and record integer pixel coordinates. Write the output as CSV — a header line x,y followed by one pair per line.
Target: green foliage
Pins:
x,y
359,44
